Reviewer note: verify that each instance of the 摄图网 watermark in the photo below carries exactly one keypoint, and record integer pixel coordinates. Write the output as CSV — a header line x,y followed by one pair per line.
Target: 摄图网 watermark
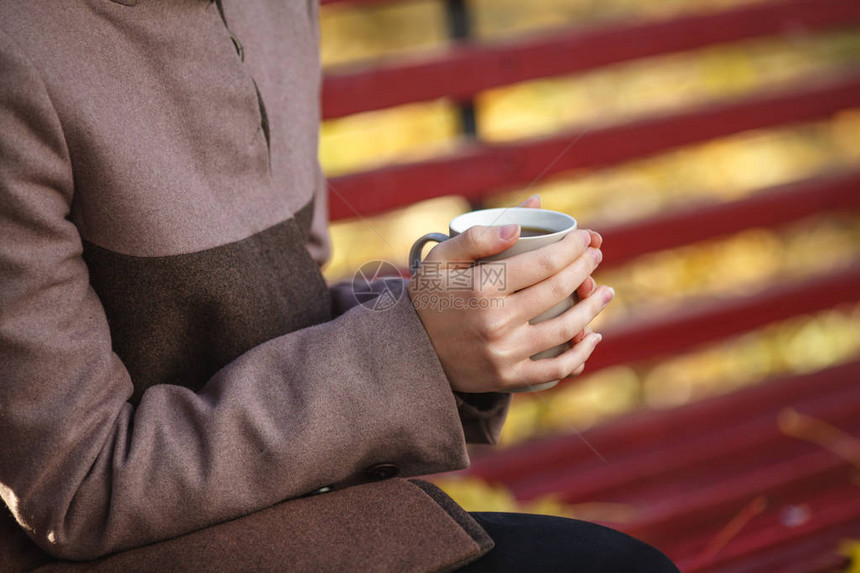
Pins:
x,y
439,286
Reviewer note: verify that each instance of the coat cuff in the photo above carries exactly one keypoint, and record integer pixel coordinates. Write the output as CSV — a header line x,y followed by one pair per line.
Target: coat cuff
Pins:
x,y
483,415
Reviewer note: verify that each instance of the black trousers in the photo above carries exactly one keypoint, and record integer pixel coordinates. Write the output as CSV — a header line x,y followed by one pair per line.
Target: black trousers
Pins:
x,y
543,543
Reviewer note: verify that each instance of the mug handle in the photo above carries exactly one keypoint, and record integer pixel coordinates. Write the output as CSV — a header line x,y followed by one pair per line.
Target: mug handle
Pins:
x,y
418,246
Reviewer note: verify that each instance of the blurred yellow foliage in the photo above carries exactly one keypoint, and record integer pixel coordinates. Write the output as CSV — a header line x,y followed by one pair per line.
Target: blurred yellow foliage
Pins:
x,y
388,237
355,33
851,550
628,90
501,18
738,264
474,494
410,132
720,170
372,32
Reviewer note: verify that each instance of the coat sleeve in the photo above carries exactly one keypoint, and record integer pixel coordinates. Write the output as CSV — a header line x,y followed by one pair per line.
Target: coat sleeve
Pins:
x,y
482,415
87,474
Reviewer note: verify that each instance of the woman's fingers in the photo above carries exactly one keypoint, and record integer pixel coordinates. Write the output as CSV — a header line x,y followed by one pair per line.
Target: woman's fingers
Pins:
x,y
582,334
566,326
530,268
537,299
586,288
475,243
565,364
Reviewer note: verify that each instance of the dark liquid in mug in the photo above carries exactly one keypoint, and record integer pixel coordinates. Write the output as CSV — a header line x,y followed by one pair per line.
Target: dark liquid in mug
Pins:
x,y
534,231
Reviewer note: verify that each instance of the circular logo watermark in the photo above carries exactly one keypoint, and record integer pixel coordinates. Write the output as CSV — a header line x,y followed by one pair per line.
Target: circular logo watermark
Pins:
x,y
377,285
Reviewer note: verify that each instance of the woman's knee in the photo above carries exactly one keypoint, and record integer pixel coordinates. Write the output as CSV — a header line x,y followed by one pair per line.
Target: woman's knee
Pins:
x,y
645,558
561,544
619,552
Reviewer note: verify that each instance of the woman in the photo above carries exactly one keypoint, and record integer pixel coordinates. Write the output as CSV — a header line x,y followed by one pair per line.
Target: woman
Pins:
x,y
180,389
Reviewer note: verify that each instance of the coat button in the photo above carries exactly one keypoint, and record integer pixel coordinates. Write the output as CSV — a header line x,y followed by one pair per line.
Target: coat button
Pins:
x,y
318,491
381,472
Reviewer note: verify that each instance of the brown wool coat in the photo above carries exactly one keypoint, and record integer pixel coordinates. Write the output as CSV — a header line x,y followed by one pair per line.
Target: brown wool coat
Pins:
x,y
175,375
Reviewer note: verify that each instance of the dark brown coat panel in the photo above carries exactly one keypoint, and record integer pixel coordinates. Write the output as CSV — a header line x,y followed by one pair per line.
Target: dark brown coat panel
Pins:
x,y
169,358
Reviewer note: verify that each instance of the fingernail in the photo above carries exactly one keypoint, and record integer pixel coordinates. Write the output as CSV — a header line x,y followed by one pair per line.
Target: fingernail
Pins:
x,y
608,294
597,337
534,198
598,255
586,238
508,232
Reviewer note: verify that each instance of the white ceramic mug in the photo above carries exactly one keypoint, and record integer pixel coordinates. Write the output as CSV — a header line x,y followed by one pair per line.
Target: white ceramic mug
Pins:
x,y
557,226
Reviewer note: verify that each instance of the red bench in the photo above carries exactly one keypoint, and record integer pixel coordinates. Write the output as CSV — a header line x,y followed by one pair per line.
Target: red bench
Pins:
x,y
721,485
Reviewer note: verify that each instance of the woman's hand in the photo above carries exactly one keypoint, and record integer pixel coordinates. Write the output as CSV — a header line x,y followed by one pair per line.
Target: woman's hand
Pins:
x,y
482,333
587,287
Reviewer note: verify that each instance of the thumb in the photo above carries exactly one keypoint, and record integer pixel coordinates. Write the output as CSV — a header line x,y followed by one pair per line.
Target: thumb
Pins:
x,y
476,242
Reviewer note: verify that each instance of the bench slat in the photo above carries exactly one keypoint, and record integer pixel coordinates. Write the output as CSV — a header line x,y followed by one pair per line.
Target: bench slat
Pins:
x,y
766,545
694,452
710,321
770,207
818,553
479,170
642,431
463,71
